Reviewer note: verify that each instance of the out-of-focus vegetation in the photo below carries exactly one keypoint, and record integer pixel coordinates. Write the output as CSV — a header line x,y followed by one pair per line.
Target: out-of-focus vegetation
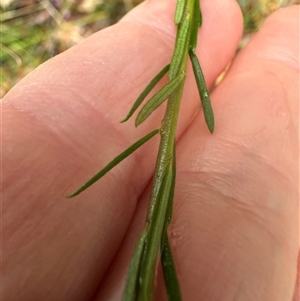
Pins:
x,y
32,31
256,11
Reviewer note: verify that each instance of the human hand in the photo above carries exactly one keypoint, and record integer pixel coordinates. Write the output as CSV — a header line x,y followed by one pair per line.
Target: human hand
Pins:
x,y
235,223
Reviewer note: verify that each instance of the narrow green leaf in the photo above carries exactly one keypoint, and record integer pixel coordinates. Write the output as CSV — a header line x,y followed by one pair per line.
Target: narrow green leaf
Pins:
x,y
146,91
203,91
179,11
131,287
195,26
171,197
157,99
171,280
198,13
194,37
170,276
114,162
155,231
180,46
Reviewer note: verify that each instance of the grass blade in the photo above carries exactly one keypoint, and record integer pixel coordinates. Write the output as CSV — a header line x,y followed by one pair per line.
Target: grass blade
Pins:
x,y
131,287
155,232
180,46
114,162
170,276
157,99
203,91
171,196
197,22
146,91
198,13
179,11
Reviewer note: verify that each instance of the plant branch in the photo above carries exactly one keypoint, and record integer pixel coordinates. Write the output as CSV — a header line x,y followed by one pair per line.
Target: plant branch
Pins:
x,y
154,239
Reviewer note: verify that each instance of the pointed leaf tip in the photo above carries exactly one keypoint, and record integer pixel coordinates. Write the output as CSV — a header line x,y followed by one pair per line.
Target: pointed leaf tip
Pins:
x,y
156,100
114,162
203,91
146,91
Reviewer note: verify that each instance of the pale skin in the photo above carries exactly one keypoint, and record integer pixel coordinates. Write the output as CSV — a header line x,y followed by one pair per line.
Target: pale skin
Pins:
x,y
235,225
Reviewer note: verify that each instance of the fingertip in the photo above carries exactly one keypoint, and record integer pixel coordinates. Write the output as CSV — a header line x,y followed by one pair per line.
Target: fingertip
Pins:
x,y
276,41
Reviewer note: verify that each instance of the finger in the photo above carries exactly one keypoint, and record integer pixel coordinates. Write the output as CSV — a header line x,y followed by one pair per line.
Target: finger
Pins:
x,y
236,219
61,126
234,228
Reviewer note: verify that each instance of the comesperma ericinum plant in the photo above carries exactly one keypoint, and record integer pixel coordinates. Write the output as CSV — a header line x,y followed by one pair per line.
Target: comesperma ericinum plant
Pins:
x,y
154,238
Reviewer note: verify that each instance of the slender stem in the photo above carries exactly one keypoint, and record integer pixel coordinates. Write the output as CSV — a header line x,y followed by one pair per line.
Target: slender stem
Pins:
x,y
158,204
169,122
140,278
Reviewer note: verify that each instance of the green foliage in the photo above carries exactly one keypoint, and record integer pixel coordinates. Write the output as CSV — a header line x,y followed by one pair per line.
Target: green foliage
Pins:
x,y
33,31
157,99
146,91
142,270
20,46
256,11
203,92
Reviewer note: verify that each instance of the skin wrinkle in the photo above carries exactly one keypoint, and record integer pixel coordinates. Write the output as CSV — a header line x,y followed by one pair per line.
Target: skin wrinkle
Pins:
x,y
287,107
213,275
286,99
155,21
240,240
216,179
286,117
13,187
230,295
236,204
63,272
139,78
46,122
292,63
25,246
26,225
212,278
258,216
284,104
133,93
278,54
261,161
216,188
121,139
164,38
130,92
70,143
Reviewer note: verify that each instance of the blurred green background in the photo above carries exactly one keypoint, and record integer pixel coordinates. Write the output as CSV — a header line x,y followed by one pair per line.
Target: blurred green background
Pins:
x,y
32,31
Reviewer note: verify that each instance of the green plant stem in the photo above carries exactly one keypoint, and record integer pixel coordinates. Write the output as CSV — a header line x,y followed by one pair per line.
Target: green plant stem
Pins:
x,y
154,239
162,188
